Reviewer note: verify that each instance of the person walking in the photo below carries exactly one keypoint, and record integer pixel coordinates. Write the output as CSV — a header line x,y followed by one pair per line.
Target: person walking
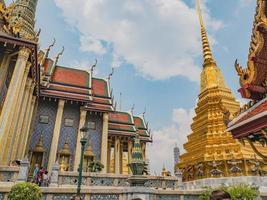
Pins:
x,y
35,173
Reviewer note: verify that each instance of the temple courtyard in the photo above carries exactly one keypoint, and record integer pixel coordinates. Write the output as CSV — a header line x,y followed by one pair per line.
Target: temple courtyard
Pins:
x,y
91,119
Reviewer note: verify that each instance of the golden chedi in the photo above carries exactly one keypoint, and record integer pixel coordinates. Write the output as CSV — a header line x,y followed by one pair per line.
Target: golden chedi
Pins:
x,y
210,150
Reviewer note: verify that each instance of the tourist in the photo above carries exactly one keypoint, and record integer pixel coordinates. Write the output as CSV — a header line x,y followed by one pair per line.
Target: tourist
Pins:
x,y
45,181
220,195
35,172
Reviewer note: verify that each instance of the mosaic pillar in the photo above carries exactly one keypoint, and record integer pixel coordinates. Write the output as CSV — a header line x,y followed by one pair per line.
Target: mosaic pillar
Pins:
x,y
130,146
117,155
9,106
109,154
21,130
78,144
4,68
27,124
20,108
56,133
104,145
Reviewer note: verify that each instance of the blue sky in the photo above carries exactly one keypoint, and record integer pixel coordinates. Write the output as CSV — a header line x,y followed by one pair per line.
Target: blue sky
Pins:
x,y
155,47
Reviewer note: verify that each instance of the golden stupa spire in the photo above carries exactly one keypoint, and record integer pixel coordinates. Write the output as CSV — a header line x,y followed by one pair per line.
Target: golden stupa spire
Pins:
x,y
207,54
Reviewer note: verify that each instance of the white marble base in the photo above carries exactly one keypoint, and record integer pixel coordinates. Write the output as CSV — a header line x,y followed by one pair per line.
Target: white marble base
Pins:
x,y
226,181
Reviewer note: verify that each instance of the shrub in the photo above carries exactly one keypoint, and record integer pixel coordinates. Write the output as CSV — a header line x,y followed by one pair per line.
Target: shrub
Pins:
x,y
237,192
242,192
95,166
25,191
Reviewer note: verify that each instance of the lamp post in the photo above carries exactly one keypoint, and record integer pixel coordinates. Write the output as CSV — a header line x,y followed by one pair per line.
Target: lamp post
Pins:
x,y
83,141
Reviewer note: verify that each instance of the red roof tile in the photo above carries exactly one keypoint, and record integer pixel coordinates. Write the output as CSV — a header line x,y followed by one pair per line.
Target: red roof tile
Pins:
x,y
121,117
100,87
48,63
139,123
121,127
257,110
71,76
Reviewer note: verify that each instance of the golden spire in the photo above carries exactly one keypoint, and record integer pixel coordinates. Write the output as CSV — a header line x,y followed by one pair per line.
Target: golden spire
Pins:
x,y
207,54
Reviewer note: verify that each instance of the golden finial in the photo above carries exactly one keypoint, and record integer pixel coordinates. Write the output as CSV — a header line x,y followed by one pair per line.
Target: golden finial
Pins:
x,y
207,54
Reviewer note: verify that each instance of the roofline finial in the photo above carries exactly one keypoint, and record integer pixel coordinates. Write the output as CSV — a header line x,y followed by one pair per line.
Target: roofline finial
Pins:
x,y
120,101
132,108
110,75
93,67
59,54
49,48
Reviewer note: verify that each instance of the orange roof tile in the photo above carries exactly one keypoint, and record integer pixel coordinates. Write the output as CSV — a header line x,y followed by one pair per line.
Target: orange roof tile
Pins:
x,y
71,76
100,87
121,117
257,110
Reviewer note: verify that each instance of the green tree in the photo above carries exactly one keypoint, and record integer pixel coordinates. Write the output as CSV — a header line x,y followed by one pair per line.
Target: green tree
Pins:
x,y
237,192
25,191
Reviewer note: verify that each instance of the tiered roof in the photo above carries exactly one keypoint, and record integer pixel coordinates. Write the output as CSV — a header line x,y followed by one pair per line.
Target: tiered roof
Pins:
x,y
253,80
74,84
124,123
251,121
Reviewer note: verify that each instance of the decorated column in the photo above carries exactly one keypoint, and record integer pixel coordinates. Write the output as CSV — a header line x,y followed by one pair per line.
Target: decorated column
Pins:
x,y
130,146
27,124
23,118
117,155
109,154
78,144
8,110
20,108
56,133
4,69
104,145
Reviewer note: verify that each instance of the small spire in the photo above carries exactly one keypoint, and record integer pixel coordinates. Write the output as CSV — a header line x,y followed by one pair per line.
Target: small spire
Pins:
x,y
207,54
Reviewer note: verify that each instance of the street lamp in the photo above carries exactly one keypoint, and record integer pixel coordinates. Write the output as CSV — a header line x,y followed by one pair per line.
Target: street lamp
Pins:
x,y
84,131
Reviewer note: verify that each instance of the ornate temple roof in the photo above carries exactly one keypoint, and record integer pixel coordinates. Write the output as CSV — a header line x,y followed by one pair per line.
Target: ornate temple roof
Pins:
x,y
251,121
253,79
141,126
121,123
124,123
73,84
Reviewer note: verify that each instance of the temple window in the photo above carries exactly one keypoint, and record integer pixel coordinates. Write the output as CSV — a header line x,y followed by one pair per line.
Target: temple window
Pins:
x,y
43,119
92,125
69,122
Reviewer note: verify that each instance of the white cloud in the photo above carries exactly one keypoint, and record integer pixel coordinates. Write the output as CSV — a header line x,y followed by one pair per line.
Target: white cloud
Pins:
x,y
161,151
160,38
246,2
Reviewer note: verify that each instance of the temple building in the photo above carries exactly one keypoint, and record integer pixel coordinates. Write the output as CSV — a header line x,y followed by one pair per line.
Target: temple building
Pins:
x,y
44,105
250,125
211,151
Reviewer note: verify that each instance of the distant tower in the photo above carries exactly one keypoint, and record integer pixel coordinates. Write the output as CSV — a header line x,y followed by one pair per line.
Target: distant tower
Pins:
x,y
176,153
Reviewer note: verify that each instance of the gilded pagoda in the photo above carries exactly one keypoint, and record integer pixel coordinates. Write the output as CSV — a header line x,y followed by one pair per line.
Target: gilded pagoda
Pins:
x,y
211,151
44,105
